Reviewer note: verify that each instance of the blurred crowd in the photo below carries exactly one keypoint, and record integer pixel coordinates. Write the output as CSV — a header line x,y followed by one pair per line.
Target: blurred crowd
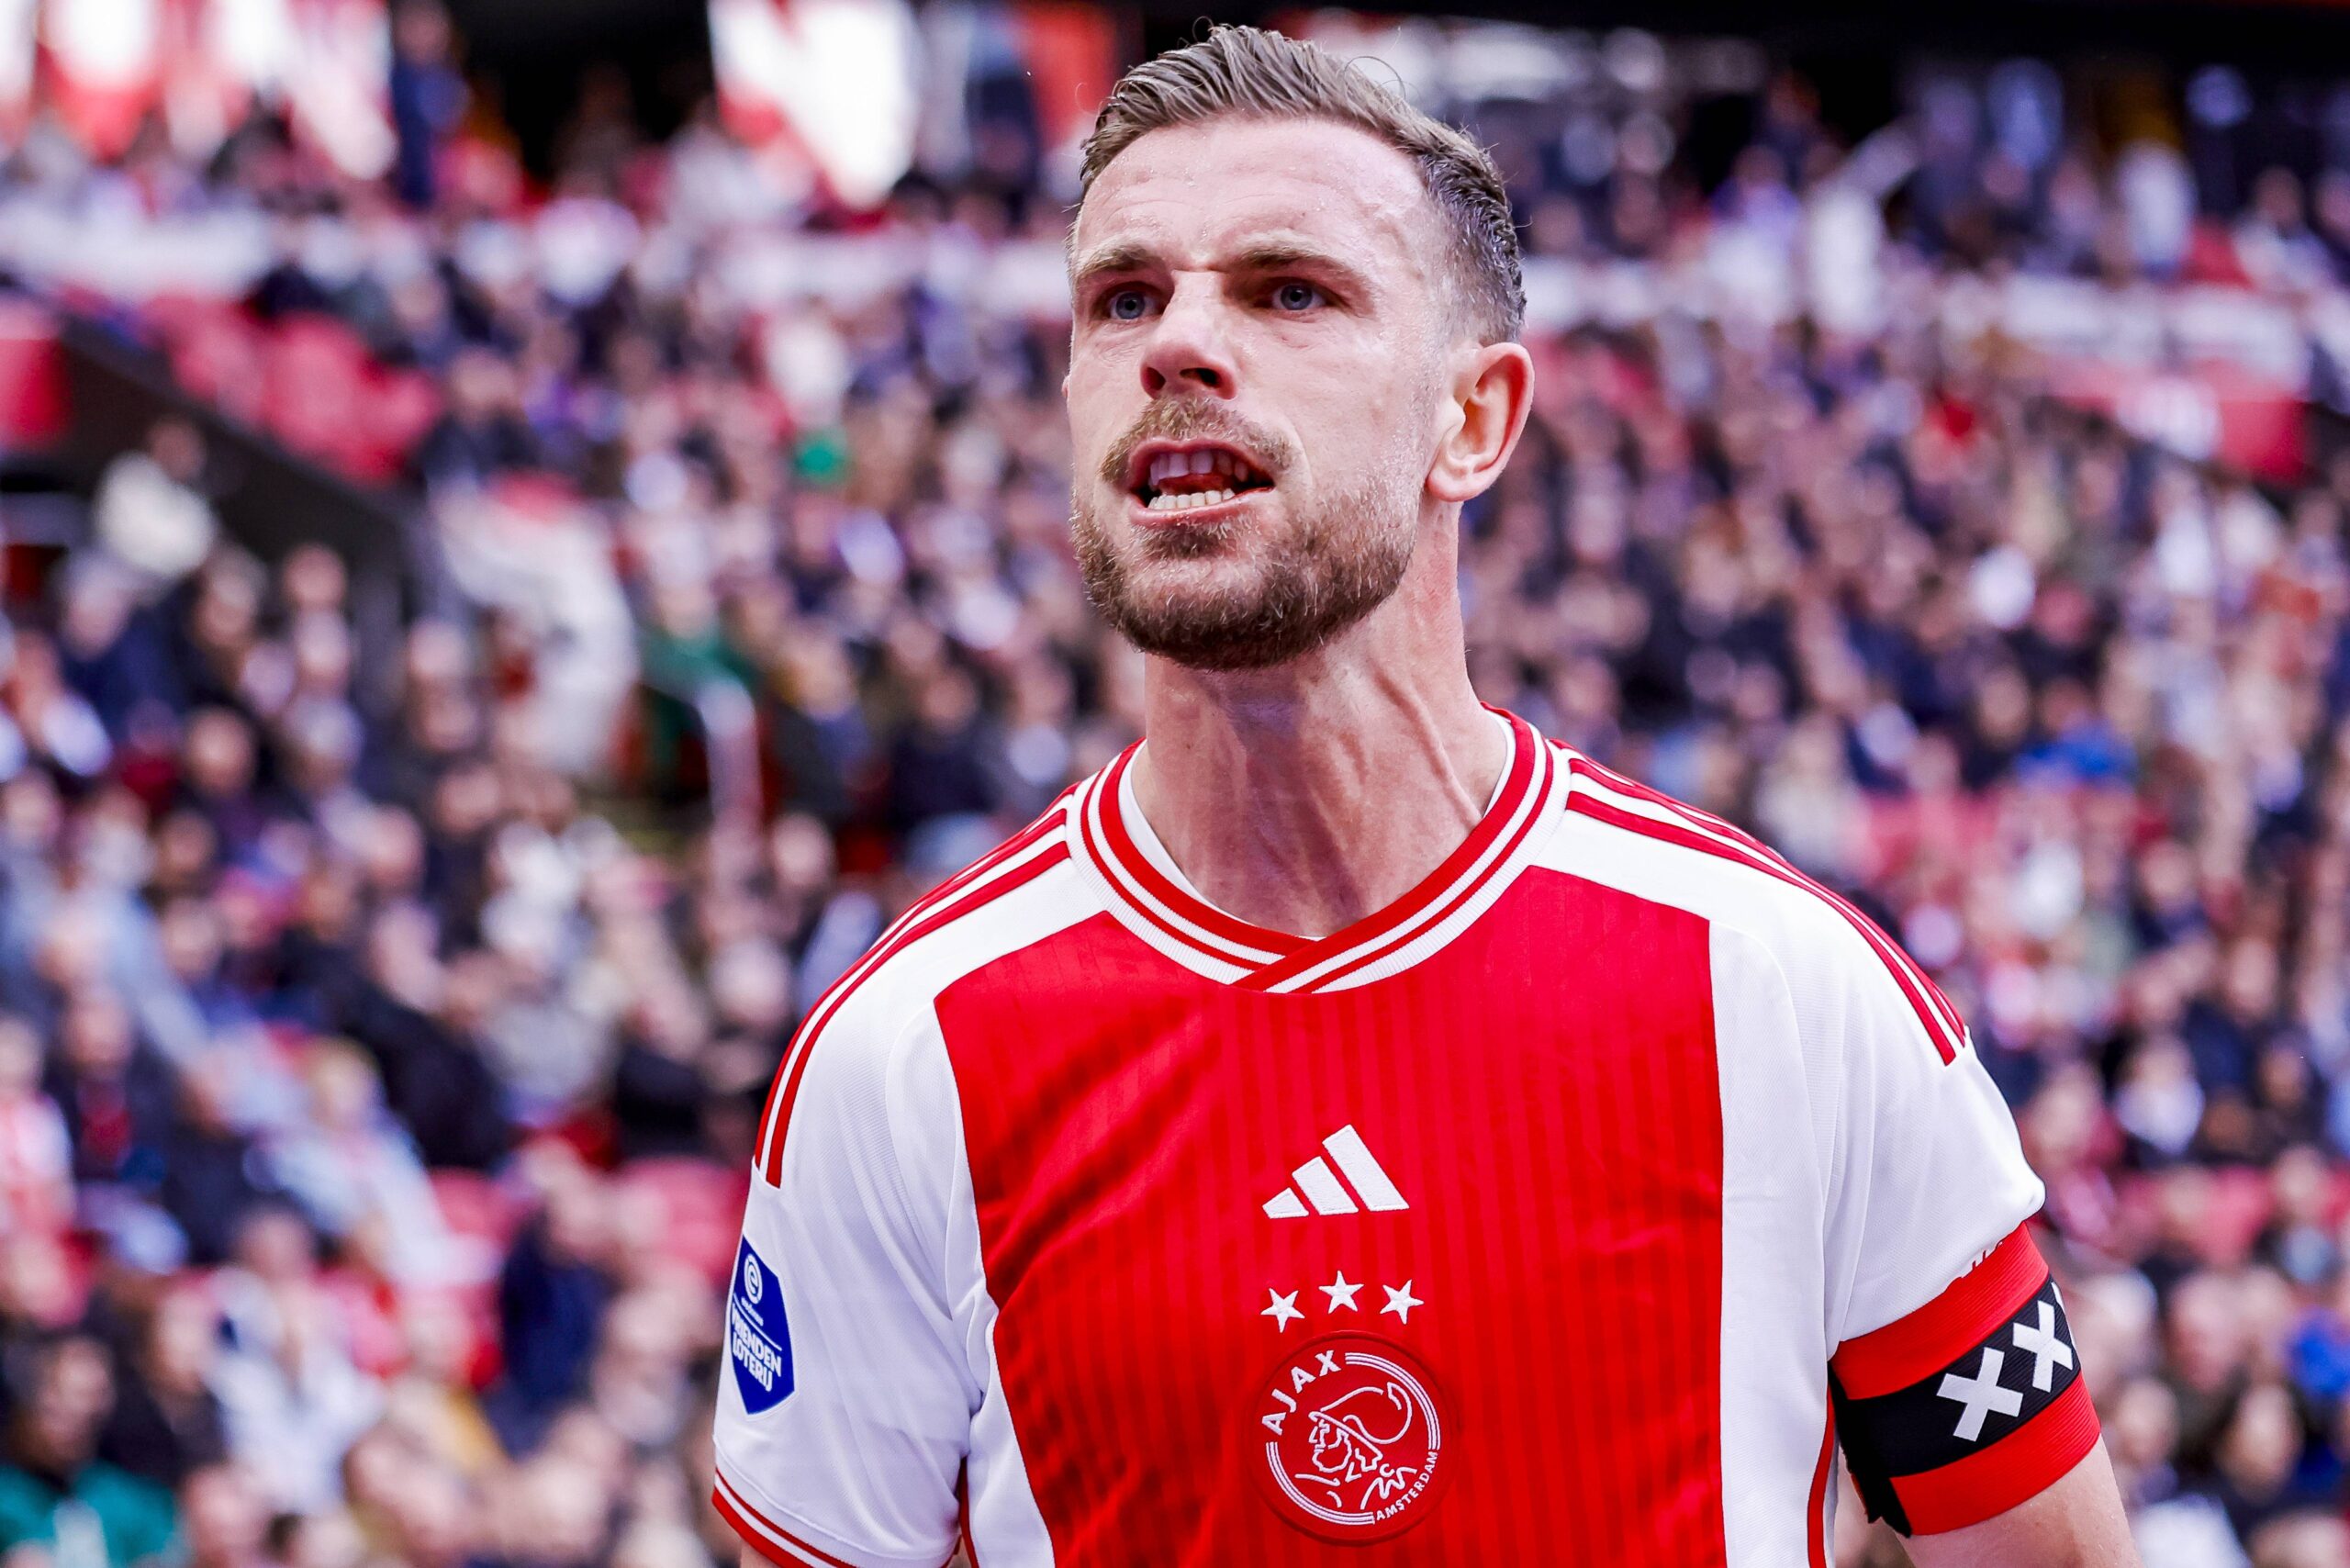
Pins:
x,y
380,1049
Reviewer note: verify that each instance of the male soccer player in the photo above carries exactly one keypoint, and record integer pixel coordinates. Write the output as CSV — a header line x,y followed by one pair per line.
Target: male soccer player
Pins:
x,y
1350,1128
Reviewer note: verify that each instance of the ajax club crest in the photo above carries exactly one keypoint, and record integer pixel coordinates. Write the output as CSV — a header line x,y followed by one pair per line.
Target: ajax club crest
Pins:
x,y
1352,1440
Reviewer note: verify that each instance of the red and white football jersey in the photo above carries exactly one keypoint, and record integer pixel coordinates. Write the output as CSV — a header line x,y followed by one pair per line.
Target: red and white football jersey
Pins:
x,y
1567,1211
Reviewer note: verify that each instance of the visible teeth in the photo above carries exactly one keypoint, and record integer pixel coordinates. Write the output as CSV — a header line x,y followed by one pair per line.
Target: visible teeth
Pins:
x,y
1203,462
1164,501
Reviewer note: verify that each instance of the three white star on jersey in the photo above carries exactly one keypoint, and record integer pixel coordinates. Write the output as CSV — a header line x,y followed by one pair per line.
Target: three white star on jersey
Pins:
x,y
1978,1396
1283,1309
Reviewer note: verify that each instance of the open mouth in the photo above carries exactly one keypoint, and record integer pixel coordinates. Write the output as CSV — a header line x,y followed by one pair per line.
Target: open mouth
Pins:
x,y
1175,479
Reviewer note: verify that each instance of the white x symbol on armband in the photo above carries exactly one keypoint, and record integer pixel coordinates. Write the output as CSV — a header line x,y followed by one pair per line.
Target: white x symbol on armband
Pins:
x,y
1980,1394
2047,1351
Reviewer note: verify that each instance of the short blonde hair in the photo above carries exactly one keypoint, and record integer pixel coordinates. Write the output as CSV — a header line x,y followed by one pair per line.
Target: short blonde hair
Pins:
x,y
1250,72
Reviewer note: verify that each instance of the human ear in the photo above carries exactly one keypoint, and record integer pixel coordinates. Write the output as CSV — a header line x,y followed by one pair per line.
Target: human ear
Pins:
x,y
1490,397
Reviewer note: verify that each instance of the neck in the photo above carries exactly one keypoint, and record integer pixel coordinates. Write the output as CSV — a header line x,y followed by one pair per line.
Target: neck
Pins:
x,y
1305,797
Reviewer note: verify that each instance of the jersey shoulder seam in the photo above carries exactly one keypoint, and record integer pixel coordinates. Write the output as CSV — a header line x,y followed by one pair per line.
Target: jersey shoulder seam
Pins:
x,y
894,957
1828,926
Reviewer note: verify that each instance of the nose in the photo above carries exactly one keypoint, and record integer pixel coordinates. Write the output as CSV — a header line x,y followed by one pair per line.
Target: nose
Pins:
x,y
1190,350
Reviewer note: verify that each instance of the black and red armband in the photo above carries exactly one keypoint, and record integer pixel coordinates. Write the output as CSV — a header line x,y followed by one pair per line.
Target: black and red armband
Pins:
x,y
1969,1405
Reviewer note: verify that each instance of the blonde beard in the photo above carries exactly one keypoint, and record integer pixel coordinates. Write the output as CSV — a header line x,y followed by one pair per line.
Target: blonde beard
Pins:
x,y
1329,570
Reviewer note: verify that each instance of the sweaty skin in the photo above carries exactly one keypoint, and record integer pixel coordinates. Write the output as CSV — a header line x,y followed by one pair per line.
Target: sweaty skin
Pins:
x,y
1304,796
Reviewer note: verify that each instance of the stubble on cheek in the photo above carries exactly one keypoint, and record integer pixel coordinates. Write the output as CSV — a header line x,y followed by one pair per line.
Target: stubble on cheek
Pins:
x,y
1226,596
1290,574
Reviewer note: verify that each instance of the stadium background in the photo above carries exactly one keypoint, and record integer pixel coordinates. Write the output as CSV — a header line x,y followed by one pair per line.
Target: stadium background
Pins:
x,y
529,533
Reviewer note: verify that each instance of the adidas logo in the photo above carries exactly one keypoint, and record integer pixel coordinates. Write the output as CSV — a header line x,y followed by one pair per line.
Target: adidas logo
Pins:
x,y
1328,1196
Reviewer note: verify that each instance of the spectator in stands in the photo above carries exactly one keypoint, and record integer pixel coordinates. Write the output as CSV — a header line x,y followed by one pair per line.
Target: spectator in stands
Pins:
x,y
2259,1460
167,1423
223,1521
115,654
292,1400
115,1095
352,1167
433,1400
482,433
54,1492
660,1091
640,1381
213,1175
551,1299
150,514
36,1149
44,720
428,96
420,1023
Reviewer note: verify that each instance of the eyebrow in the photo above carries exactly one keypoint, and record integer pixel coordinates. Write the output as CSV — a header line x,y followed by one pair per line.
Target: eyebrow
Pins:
x,y
1274,255
1120,258
1264,256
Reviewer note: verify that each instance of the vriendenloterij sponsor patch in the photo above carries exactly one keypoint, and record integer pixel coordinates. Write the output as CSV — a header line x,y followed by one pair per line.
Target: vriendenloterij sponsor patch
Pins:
x,y
758,1340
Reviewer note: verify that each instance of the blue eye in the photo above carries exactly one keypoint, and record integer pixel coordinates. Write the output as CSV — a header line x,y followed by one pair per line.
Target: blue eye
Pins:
x,y
1126,305
1297,297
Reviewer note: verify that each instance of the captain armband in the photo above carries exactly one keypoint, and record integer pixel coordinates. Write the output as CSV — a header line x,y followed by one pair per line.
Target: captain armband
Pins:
x,y
1969,1405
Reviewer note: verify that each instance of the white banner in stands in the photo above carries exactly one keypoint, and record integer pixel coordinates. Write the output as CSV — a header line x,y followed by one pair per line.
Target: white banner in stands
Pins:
x,y
828,84
340,91
105,59
235,51
105,66
17,42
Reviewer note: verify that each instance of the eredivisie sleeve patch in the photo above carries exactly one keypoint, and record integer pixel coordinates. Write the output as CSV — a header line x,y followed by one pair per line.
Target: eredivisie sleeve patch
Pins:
x,y
1969,1405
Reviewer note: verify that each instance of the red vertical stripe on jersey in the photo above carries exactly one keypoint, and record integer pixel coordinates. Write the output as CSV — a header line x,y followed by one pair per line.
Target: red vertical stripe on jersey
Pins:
x,y
796,1067
1545,1093
1691,838
2017,1468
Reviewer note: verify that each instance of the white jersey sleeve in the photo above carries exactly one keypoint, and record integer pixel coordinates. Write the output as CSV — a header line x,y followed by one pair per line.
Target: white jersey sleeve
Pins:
x,y
1956,1383
846,1402
1953,1383
1926,1174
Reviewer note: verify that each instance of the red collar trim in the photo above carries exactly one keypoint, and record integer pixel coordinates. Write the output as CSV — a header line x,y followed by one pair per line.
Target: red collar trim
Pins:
x,y
1266,958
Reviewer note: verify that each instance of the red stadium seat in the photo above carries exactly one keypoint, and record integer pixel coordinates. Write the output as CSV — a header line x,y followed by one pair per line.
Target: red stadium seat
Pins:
x,y
318,393
477,1208
222,359
701,1204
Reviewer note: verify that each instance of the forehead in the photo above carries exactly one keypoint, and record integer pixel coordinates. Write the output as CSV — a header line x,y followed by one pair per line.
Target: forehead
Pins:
x,y
1188,192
